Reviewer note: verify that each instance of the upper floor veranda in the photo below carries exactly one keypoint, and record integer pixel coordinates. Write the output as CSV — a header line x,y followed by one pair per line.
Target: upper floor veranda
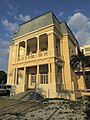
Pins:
x,y
44,45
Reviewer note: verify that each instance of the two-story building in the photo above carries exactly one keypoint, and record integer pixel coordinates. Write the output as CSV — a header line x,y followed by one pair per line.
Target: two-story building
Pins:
x,y
39,58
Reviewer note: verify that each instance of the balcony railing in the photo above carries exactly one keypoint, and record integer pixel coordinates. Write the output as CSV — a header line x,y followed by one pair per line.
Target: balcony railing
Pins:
x,y
43,54
21,58
32,56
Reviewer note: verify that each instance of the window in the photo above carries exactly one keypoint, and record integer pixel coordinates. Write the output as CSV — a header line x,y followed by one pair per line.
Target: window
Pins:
x,y
87,49
44,78
33,78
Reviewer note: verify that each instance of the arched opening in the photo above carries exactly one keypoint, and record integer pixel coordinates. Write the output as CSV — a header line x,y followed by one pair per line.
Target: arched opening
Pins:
x,y
43,42
32,46
21,49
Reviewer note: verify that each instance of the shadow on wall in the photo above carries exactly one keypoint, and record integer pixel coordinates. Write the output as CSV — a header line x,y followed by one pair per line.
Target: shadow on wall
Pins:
x,y
41,92
62,92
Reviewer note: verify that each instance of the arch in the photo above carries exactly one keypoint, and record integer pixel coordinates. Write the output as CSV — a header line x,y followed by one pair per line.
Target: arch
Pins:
x,y
31,46
22,48
43,42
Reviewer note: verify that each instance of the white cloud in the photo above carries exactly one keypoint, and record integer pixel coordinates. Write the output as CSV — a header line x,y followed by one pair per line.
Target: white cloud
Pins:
x,y
77,10
5,43
80,25
3,63
8,25
9,5
4,52
61,14
9,12
23,18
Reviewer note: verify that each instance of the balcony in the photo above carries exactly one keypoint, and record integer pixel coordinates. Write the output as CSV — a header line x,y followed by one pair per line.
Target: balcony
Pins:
x,y
42,54
31,56
21,58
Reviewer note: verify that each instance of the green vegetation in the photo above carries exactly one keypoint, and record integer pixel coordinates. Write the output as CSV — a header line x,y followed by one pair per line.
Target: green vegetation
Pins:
x,y
3,77
80,62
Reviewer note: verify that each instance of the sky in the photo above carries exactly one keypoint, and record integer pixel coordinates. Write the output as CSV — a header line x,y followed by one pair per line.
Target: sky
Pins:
x,y
76,13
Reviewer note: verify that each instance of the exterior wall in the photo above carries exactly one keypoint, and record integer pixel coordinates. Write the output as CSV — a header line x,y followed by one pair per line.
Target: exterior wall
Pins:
x,y
49,59
86,49
81,82
60,76
67,63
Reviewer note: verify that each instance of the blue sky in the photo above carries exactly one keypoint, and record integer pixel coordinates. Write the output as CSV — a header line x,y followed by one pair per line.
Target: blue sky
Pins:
x,y
76,13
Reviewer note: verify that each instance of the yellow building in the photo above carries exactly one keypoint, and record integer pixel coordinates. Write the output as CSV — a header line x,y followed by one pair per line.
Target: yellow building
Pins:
x,y
84,86
86,49
39,58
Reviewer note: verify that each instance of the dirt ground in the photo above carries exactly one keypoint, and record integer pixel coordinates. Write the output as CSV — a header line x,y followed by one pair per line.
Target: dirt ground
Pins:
x,y
11,109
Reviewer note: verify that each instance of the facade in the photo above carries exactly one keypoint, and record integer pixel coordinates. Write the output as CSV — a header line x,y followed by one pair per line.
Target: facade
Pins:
x,y
39,58
86,49
84,86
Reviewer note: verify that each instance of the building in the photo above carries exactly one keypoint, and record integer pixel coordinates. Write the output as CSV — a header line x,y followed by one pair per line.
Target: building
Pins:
x,y
85,84
39,58
86,49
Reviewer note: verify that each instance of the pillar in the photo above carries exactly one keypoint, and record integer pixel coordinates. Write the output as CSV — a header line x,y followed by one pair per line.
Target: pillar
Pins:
x,y
25,49
38,79
37,46
51,43
53,73
25,83
63,78
17,52
16,76
49,73
13,82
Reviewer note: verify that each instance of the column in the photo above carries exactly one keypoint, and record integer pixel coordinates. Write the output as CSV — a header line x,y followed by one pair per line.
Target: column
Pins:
x,y
13,76
17,52
37,46
53,73
51,43
29,81
49,73
37,79
25,49
63,73
25,85
16,76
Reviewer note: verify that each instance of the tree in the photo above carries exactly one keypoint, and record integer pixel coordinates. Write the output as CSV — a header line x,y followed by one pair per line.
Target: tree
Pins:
x,y
80,62
3,77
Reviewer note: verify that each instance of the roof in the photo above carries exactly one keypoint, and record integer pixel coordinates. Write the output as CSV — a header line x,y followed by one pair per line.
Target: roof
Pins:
x,y
36,23
43,21
65,29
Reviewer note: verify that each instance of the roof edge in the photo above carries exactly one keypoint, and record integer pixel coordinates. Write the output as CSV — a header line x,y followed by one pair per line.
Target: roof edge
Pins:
x,y
37,17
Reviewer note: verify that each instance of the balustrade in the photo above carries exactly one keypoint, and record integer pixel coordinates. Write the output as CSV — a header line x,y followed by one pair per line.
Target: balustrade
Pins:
x,y
40,54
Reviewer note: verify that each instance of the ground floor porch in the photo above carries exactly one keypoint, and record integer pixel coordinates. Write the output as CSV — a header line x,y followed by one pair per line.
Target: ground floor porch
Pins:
x,y
46,79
